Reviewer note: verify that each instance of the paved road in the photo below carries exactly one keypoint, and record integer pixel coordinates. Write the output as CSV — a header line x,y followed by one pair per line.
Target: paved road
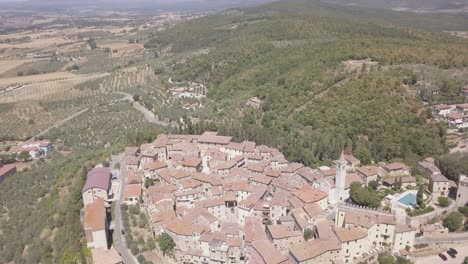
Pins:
x,y
120,245
460,237
61,123
147,113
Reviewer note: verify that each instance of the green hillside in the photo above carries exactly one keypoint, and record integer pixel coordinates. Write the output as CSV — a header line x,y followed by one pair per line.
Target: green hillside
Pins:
x,y
291,54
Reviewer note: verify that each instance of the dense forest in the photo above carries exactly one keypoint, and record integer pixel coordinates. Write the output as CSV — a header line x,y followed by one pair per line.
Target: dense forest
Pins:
x,y
290,54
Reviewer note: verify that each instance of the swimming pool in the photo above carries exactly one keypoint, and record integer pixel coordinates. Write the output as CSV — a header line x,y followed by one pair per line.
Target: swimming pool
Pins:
x,y
408,199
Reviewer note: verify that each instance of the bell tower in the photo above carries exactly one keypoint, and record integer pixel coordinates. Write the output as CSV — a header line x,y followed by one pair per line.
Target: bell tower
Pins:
x,y
340,178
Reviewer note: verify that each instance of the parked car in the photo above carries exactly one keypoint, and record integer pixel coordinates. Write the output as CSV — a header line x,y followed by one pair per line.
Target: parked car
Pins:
x,y
450,253
453,251
443,257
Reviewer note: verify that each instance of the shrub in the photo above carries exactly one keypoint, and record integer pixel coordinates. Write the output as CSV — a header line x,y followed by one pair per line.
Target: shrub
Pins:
x,y
443,201
463,210
166,243
308,234
453,221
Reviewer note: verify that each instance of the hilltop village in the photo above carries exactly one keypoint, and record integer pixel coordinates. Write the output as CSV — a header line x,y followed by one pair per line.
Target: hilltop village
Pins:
x,y
226,202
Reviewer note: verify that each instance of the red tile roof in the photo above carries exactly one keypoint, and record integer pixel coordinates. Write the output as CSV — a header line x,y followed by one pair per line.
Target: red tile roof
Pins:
x,y
309,194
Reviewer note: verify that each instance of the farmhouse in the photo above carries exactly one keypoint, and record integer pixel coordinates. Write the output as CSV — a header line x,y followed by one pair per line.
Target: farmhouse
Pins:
x,y
397,168
441,110
6,171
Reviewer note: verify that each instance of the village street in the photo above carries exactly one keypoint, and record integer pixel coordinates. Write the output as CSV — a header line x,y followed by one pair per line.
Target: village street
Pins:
x,y
119,239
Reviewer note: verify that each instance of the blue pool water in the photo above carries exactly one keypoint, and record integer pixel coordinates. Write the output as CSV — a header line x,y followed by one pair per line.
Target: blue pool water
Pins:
x,y
408,199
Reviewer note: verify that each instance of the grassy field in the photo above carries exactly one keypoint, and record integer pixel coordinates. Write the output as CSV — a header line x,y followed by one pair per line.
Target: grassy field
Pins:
x,y
7,65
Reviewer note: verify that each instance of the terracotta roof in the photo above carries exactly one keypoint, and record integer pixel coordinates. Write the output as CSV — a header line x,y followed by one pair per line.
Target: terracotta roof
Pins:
x,y
130,160
132,191
293,167
268,252
351,159
183,227
456,116
261,179
330,172
272,173
190,184
179,174
254,230
395,166
309,194
192,162
9,168
213,138
368,171
367,220
352,177
346,234
155,165
314,210
235,146
230,229
98,178
254,157
404,228
441,106
233,241
314,248
186,192
226,165
282,231
165,216
212,202
95,216
132,178
439,178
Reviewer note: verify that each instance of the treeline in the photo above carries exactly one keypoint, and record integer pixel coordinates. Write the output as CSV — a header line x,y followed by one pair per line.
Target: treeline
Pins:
x,y
453,165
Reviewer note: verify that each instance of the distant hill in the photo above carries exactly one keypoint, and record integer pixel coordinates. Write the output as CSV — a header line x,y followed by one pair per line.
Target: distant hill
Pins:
x,y
291,55
411,4
169,5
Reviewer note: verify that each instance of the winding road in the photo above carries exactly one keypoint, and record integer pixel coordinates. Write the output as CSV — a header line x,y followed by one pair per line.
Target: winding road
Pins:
x,y
147,113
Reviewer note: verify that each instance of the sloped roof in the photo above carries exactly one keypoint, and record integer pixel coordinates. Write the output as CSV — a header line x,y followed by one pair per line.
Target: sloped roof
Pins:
x,y
98,178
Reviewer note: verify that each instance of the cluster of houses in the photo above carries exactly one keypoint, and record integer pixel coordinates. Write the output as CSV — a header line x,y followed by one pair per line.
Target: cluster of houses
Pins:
x,y
97,196
226,202
455,115
192,90
34,149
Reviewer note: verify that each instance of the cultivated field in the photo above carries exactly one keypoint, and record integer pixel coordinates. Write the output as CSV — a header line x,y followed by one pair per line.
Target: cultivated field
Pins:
x,y
40,90
35,78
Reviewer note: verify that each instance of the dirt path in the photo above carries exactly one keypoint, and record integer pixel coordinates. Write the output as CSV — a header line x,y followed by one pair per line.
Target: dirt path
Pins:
x,y
60,123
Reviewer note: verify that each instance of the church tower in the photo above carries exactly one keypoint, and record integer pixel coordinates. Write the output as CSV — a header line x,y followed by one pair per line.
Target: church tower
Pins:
x,y
340,179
